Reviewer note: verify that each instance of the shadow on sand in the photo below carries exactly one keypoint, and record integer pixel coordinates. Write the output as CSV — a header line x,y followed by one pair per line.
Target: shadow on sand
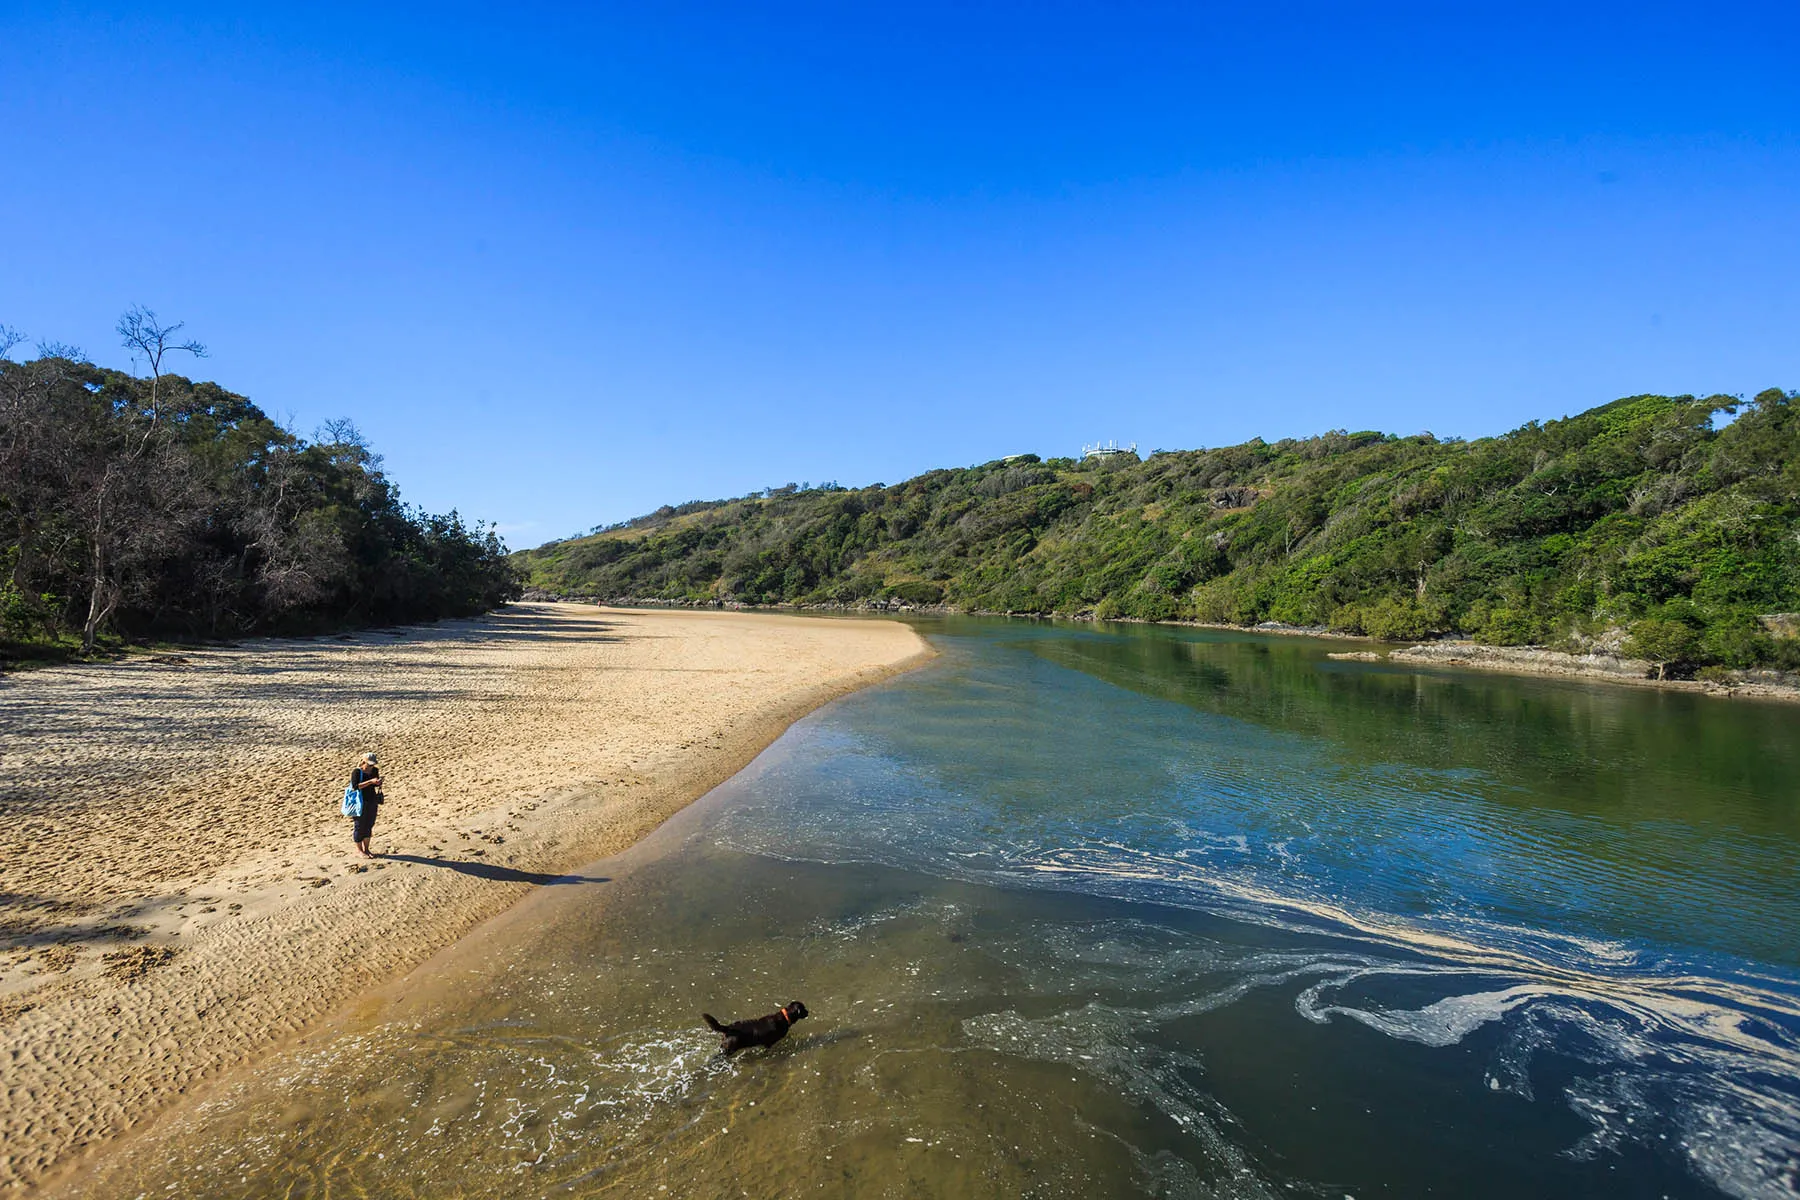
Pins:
x,y
493,872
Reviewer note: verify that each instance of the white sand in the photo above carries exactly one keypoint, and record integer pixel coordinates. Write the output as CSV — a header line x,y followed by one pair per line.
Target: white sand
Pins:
x,y
178,894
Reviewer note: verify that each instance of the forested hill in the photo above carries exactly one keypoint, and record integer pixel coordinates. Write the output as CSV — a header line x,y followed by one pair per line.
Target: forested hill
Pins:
x,y
157,507
1668,523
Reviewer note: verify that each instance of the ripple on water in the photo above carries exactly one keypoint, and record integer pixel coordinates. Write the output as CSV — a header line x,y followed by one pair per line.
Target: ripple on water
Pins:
x,y
1700,1055
1184,927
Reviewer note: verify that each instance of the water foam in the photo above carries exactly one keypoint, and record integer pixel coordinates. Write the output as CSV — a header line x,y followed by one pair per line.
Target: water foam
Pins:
x,y
1705,1059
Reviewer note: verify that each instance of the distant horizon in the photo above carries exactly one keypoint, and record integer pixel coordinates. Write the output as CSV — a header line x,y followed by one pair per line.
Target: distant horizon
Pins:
x,y
563,267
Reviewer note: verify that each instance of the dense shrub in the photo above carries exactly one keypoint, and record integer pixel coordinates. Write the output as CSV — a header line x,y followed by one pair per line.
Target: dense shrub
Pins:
x,y
166,507
1557,533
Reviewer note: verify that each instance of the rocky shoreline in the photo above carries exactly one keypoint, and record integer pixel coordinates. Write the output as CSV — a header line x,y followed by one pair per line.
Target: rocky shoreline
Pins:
x,y
1537,660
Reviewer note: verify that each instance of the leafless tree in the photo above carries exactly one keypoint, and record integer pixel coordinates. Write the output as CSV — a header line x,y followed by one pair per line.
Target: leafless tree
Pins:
x,y
144,335
61,350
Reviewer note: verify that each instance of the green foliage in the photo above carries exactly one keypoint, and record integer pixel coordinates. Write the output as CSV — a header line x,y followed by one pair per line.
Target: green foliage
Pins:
x,y
1640,510
912,591
1663,640
1734,640
22,613
1394,619
169,507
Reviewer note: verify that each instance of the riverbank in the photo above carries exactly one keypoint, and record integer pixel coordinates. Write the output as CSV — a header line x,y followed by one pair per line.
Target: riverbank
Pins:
x,y
1535,660
180,895
1081,912
1455,653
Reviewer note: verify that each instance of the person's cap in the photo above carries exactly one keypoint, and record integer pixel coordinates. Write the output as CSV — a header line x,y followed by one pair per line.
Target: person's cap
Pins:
x,y
370,757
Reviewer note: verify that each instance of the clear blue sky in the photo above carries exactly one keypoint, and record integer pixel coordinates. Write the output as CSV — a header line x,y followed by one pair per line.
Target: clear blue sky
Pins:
x,y
565,265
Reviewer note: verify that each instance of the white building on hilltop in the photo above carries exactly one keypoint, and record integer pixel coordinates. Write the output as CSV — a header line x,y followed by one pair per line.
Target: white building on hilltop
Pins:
x,y
1107,451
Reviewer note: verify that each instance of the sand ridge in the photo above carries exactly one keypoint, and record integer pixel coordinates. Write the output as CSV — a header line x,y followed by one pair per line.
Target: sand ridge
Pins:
x,y
178,893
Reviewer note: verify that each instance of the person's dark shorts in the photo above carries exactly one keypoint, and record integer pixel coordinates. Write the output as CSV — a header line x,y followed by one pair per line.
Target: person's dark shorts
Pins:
x,y
362,827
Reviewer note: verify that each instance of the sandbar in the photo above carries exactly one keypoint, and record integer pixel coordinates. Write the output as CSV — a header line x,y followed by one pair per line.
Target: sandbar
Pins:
x,y
179,894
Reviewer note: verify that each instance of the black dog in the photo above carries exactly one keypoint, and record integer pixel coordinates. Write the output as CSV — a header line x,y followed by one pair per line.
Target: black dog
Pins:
x,y
762,1031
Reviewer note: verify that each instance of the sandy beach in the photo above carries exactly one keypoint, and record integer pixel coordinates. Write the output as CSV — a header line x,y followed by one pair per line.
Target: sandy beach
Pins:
x,y
178,894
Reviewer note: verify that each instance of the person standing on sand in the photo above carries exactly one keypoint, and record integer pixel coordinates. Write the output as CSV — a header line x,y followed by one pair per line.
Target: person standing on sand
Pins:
x,y
366,778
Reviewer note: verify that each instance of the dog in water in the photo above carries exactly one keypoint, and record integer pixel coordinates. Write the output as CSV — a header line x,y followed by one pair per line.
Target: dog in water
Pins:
x,y
759,1031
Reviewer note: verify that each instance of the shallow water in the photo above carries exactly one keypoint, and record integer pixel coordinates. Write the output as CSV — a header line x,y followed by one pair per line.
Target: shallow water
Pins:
x,y
1124,912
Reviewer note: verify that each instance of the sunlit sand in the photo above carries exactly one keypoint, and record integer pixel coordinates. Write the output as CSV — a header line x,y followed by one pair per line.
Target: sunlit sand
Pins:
x,y
181,892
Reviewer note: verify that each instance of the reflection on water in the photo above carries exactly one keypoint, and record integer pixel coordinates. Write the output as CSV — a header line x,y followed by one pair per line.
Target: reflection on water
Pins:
x,y
1132,912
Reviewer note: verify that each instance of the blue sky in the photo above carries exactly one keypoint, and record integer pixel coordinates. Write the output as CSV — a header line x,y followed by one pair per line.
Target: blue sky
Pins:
x,y
564,265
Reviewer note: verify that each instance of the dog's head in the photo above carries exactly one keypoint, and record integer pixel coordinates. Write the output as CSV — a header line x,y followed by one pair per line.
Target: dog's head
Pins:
x,y
795,1011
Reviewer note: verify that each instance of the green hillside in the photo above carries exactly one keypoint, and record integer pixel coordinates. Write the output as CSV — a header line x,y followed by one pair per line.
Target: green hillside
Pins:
x,y
1660,522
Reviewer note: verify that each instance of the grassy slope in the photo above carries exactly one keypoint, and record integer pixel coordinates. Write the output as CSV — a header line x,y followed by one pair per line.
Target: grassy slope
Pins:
x,y
1635,516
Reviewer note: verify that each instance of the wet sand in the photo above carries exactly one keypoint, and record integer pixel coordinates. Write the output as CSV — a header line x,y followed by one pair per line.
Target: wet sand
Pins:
x,y
178,894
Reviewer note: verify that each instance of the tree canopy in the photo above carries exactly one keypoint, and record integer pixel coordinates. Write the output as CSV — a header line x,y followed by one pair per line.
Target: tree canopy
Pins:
x,y
162,506
1668,526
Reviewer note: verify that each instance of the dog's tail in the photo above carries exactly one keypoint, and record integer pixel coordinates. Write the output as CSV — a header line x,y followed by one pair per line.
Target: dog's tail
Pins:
x,y
716,1027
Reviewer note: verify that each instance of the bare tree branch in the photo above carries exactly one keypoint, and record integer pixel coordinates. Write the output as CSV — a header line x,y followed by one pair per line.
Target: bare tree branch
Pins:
x,y
340,431
145,335
61,350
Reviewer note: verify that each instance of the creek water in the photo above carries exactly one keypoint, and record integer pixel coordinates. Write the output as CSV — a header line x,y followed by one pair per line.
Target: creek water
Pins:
x,y
1116,911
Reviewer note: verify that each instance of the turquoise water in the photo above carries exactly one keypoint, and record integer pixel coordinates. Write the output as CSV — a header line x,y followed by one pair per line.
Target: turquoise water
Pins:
x,y
1117,912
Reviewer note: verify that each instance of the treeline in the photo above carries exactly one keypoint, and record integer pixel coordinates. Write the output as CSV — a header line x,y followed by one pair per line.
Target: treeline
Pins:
x,y
163,507
1666,527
